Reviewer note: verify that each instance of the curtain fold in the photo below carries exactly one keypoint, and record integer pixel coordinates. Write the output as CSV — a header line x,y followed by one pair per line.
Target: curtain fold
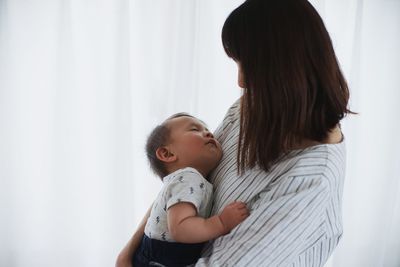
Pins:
x,y
82,83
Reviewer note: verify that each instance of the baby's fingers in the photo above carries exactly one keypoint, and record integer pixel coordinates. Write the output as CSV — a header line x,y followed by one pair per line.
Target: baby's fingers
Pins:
x,y
239,204
242,209
244,212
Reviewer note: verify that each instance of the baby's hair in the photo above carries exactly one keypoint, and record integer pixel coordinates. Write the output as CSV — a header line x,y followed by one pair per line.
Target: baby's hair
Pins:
x,y
160,137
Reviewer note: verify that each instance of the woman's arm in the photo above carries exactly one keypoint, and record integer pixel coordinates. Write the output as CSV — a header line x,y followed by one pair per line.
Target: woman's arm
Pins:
x,y
186,227
125,256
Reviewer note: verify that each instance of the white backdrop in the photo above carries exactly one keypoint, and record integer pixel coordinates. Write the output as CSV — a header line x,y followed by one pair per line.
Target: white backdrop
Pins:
x,y
82,83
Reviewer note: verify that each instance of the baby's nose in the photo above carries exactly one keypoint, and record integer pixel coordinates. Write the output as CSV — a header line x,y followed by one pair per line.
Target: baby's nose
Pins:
x,y
208,134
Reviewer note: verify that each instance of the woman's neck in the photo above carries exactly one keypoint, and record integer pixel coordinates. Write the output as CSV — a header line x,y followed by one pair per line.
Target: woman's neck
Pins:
x,y
334,136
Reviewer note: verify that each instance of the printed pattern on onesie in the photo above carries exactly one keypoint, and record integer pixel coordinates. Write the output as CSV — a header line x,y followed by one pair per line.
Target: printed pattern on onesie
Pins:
x,y
184,185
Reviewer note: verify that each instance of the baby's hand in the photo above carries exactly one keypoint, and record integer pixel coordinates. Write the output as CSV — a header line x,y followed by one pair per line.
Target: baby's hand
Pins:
x,y
233,214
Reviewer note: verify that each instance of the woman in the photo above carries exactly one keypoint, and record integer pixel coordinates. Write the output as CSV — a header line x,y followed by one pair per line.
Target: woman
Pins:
x,y
284,153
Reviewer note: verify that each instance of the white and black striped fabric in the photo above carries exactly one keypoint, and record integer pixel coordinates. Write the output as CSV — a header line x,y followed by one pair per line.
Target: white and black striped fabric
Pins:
x,y
295,217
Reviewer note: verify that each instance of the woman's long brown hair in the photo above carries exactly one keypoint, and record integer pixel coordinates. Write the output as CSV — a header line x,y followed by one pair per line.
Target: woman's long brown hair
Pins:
x,y
294,88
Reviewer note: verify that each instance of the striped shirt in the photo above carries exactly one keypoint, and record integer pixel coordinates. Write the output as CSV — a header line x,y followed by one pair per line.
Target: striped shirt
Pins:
x,y
295,208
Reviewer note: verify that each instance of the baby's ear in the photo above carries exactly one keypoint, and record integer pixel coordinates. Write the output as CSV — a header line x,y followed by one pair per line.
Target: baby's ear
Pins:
x,y
165,155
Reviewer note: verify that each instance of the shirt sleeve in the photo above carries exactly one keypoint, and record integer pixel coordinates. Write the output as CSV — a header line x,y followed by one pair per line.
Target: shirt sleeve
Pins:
x,y
186,187
280,227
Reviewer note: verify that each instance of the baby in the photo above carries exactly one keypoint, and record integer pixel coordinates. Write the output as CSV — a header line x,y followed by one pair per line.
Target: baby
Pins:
x,y
183,152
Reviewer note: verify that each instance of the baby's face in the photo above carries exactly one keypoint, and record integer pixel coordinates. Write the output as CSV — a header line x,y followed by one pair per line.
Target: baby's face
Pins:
x,y
193,144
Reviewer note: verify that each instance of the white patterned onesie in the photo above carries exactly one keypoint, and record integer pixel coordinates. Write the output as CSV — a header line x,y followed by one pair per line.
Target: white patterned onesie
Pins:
x,y
183,185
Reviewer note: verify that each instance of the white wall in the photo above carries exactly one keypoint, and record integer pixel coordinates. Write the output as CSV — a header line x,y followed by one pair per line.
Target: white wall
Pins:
x,y
83,82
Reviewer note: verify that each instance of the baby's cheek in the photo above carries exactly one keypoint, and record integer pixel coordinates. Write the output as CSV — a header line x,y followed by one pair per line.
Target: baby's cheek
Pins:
x,y
221,153
220,149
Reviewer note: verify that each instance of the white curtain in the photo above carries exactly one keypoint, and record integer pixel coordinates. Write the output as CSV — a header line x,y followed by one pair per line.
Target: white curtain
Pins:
x,y
82,83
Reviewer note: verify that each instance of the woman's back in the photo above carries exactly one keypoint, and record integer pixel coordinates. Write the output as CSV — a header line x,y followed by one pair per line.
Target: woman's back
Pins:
x,y
296,206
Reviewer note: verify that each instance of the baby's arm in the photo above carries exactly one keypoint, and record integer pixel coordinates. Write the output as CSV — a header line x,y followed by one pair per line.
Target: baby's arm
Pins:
x,y
186,227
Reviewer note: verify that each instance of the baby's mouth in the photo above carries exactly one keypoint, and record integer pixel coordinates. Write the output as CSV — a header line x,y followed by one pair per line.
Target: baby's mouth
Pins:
x,y
212,141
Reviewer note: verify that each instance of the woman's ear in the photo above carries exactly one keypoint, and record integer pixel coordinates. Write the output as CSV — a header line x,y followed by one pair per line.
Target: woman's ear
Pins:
x,y
165,155
240,78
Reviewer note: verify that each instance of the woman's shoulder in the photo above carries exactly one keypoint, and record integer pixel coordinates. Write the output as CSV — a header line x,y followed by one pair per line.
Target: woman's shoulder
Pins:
x,y
325,159
233,112
235,107
232,116
332,148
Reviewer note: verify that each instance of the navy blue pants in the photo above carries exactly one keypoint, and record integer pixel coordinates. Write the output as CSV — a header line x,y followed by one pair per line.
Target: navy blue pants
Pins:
x,y
152,252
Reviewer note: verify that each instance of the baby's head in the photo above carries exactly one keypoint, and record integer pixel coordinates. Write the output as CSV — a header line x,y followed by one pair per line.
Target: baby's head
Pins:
x,y
182,141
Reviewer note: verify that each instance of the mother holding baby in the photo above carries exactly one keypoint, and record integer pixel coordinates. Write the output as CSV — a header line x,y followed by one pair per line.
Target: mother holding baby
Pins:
x,y
284,153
